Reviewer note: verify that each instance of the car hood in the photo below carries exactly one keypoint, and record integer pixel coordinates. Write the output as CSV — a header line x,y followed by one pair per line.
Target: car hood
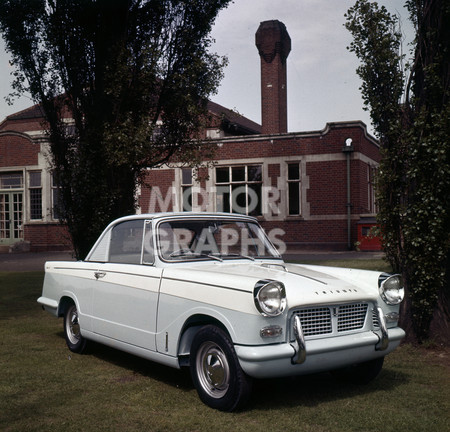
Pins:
x,y
305,285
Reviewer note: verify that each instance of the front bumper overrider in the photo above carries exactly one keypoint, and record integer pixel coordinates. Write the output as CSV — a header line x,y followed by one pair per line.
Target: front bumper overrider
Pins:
x,y
316,355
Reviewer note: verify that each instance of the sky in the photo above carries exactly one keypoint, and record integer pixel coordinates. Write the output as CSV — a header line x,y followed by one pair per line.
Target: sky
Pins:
x,y
322,84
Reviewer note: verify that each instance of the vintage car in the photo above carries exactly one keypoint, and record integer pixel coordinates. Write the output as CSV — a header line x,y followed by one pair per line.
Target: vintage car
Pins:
x,y
209,291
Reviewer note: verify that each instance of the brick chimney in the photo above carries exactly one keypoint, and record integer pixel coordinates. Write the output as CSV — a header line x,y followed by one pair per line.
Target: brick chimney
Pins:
x,y
274,45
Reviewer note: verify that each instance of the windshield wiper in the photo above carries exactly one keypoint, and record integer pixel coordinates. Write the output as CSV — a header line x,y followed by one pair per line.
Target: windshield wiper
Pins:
x,y
239,256
189,254
208,256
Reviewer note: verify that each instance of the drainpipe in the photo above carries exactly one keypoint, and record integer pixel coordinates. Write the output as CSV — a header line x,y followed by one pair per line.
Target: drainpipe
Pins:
x,y
348,150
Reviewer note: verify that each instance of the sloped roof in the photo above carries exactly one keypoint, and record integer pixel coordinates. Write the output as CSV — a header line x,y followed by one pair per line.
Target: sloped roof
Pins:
x,y
233,120
32,112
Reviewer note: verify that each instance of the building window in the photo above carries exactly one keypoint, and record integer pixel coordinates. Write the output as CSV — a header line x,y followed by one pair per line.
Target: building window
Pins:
x,y
239,189
214,133
294,190
186,188
157,133
35,190
11,181
56,199
11,205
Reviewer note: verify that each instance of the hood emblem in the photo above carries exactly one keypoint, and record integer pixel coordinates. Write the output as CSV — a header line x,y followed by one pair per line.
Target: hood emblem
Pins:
x,y
341,291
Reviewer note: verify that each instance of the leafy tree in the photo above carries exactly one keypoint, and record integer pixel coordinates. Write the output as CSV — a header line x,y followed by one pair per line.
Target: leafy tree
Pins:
x,y
134,75
410,109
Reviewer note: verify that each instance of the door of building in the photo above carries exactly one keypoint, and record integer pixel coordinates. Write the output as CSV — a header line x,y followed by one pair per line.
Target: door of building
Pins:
x,y
11,217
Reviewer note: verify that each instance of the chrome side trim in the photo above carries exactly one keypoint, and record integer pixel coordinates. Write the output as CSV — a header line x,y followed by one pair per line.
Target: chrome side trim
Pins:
x,y
300,356
384,341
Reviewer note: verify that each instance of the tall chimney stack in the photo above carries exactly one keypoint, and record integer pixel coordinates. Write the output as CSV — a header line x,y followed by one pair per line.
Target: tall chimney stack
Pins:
x,y
274,45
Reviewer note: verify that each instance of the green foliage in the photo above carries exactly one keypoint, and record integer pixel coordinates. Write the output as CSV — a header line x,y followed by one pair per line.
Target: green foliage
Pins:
x,y
376,42
413,185
134,75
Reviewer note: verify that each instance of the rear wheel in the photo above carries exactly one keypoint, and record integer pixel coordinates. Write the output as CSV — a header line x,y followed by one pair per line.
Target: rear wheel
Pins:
x,y
217,375
72,333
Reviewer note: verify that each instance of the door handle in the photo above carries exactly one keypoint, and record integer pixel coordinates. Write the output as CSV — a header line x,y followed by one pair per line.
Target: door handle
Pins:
x,y
99,274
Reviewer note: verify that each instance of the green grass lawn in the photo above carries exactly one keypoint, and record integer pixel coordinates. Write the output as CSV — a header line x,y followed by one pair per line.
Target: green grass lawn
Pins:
x,y
45,387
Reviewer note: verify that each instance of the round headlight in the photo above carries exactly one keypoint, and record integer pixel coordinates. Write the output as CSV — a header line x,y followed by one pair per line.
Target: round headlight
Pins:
x,y
270,298
392,290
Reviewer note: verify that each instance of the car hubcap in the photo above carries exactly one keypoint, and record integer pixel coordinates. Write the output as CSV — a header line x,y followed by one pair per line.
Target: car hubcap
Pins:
x,y
73,326
213,370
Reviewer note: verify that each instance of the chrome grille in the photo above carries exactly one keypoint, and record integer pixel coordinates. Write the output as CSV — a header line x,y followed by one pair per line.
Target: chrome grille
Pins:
x,y
329,319
315,321
375,320
351,317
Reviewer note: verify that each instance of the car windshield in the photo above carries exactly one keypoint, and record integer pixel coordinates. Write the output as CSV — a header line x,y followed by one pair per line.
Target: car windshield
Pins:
x,y
217,240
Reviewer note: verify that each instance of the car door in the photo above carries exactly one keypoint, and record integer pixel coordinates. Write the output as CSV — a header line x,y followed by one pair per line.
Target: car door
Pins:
x,y
126,291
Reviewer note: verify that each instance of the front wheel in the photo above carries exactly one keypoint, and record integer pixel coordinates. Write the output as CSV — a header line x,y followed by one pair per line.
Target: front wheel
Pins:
x,y
72,333
217,375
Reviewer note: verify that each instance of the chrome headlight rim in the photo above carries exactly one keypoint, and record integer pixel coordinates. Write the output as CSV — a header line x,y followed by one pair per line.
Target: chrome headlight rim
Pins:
x,y
270,291
391,288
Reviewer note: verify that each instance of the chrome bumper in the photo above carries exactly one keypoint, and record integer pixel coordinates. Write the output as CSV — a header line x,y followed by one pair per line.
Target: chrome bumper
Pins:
x,y
278,360
300,350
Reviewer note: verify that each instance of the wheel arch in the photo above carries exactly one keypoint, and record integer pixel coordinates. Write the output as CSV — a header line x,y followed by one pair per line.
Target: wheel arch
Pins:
x,y
64,303
190,328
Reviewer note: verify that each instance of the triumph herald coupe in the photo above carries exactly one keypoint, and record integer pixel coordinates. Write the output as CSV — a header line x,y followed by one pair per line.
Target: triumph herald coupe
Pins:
x,y
210,292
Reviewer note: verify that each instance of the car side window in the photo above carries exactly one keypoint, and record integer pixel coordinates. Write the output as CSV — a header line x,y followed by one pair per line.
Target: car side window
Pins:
x,y
101,250
126,242
149,249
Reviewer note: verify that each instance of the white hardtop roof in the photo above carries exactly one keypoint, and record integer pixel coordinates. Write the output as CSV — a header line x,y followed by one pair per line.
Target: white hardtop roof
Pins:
x,y
186,215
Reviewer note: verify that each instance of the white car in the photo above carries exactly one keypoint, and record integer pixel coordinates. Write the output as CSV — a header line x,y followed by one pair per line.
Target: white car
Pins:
x,y
209,291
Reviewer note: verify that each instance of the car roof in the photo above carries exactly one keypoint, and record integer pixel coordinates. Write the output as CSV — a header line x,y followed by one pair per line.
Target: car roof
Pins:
x,y
185,215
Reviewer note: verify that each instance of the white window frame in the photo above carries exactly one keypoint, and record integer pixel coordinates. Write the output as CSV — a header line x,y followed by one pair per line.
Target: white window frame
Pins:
x,y
187,190
245,183
35,188
297,181
54,190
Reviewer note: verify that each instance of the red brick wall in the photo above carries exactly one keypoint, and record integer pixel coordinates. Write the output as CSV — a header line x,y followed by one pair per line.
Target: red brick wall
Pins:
x,y
16,151
327,193
25,125
322,234
329,142
274,174
156,182
47,237
360,195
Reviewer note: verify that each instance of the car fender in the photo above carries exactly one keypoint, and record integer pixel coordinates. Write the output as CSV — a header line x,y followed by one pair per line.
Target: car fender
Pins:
x,y
171,337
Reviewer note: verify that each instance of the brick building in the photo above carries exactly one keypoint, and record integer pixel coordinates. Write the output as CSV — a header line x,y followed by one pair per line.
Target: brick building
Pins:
x,y
310,189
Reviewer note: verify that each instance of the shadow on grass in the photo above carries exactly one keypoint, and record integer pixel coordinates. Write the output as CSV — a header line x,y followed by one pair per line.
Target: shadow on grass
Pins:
x,y
312,390
307,390
178,378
